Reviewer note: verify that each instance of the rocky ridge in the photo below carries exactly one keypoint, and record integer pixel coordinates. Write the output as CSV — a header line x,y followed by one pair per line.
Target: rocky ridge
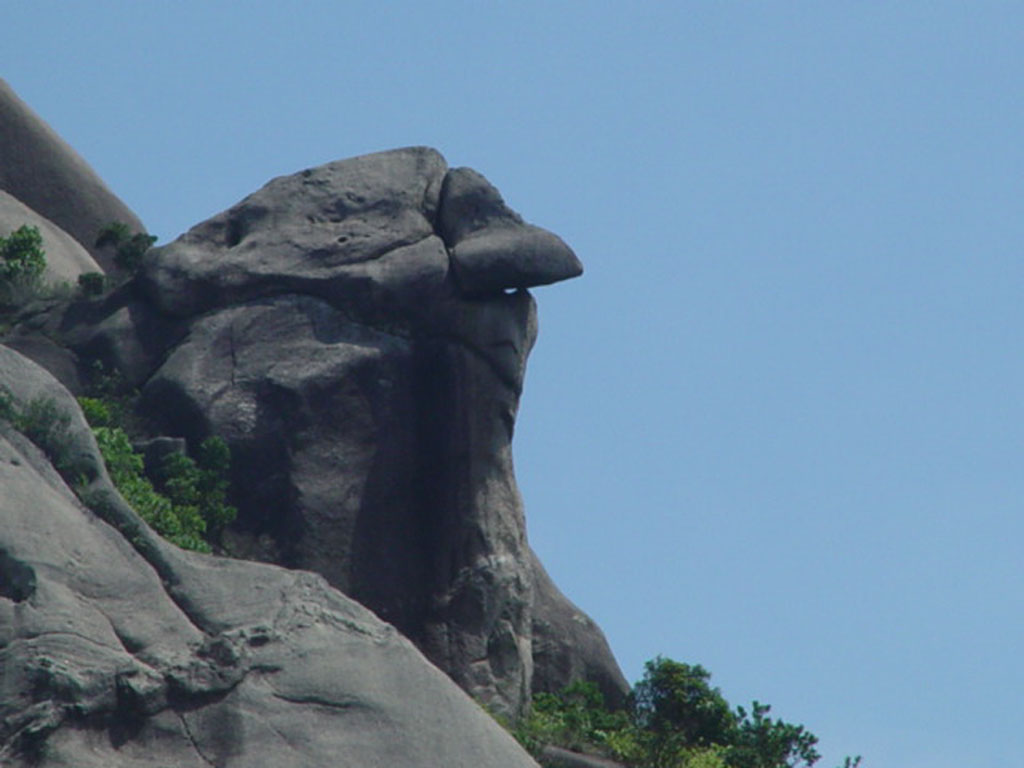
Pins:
x,y
358,334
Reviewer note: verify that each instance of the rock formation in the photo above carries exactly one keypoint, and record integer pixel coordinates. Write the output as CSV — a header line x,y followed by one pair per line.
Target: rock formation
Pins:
x,y
358,334
119,650
66,259
42,171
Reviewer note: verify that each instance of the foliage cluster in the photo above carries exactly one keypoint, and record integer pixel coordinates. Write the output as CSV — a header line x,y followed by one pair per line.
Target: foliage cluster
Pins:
x,y
21,255
129,248
675,719
92,283
22,263
188,505
43,422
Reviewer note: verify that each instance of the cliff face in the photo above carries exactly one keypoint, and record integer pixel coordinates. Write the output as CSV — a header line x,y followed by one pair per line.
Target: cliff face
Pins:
x,y
118,649
358,334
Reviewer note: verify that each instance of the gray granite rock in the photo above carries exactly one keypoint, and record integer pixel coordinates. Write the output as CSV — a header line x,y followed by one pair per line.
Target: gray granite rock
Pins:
x,y
568,645
66,259
42,171
356,232
118,650
369,402
492,248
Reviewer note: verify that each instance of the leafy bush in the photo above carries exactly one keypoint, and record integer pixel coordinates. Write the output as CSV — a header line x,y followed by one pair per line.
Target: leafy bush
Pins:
x,y
576,718
22,263
188,502
7,408
675,702
21,255
113,398
43,422
201,485
97,412
91,283
676,720
761,742
181,525
129,248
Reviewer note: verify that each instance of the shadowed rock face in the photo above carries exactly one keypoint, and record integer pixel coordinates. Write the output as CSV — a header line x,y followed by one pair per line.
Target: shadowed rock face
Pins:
x,y
358,332
118,650
42,171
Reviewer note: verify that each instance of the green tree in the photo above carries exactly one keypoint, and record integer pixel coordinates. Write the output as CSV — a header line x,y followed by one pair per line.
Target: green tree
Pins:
x,y
761,742
675,702
129,248
181,524
91,283
22,262
201,485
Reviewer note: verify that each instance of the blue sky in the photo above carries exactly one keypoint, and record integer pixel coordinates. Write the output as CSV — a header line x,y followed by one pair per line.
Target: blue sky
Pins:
x,y
776,427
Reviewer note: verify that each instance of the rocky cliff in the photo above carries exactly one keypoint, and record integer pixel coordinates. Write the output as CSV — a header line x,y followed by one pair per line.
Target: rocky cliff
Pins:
x,y
358,334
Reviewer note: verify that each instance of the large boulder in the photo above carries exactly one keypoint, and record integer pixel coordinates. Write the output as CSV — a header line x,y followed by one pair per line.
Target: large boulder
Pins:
x,y
369,398
66,259
41,170
492,248
119,650
369,395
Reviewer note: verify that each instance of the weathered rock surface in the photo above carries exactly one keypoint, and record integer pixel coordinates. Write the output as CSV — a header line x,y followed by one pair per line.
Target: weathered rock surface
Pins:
x,y
568,645
491,246
358,333
42,171
117,649
66,259
369,399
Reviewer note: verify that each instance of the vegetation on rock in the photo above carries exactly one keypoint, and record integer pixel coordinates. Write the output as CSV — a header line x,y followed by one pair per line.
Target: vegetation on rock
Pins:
x,y
22,263
187,505
675,719
91,283
43,422
129,247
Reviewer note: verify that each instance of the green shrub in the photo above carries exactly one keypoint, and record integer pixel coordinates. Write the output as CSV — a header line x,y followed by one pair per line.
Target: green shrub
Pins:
x,y
43,422
187,504
21,255
576,718
129,248
676,720
201,486
22,263
181,525
97,412
91,283
107,389
115,233
7,410
676,703
761,742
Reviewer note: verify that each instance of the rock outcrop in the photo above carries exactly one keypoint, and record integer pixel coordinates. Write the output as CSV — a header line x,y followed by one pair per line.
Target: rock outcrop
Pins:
x,y
42,171
358,334
66,259
322,328
119,650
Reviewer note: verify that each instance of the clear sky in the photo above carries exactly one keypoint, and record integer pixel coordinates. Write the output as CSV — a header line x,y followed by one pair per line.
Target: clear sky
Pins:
x,y
776,427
